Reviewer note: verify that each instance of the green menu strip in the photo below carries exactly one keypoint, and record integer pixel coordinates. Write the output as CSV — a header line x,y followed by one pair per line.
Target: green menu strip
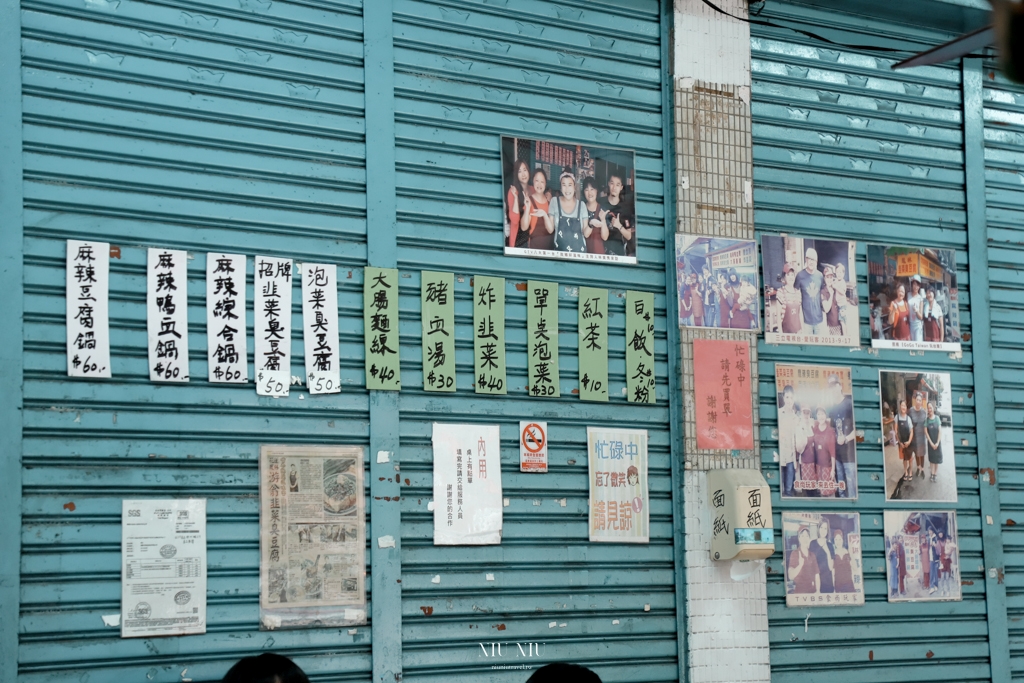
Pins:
x,y
437,305
593,341
489,335
380,325
640,347
542,337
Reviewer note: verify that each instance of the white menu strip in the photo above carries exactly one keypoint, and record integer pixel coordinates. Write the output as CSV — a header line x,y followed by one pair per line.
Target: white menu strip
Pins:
x,y
225,318
88,309
272,313
320,327
167,314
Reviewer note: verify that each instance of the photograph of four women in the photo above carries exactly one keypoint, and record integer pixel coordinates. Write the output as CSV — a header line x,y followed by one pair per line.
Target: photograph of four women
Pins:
x,y
568,201
822,557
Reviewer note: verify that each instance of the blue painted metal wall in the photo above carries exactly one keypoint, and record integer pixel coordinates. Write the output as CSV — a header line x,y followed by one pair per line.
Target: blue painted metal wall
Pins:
x,y
846,148
246,126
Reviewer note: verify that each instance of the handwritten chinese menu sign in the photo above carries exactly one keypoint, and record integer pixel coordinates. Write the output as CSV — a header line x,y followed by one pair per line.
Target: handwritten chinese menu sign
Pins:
x,y
437,303
227,359
88,306
619,510
593,344
380,324
467,484
167,315
640,347
272,312
542,337
722,402
320,327
489,334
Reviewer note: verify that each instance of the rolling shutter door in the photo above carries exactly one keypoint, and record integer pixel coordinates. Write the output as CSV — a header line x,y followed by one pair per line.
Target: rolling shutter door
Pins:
x,y
1004,183
464,74
217,125
846,148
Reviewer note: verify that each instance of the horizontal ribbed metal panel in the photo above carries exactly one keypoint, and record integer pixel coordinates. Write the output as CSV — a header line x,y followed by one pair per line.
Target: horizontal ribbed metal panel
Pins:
x,y
848,149
212,125
465,73
1004,183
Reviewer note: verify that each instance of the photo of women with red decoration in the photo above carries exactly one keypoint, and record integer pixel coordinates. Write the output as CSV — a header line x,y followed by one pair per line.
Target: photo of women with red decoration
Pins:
x,y
913,298
922,558
568,201
717,282
822,558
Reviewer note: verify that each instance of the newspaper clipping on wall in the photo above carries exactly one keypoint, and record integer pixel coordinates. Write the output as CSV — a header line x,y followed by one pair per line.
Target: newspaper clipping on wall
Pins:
x,y
163,567
312,537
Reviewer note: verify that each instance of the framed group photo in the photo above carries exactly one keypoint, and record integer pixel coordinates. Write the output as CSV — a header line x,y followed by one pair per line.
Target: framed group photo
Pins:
x,y
822,554
568,201
922,557
810,291
716,279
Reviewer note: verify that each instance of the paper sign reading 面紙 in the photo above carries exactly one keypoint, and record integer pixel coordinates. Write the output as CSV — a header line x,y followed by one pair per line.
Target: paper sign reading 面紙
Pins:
x,y
722,400
272,311
163,567
489,334
533,446
320,327
467,484
437,302
167,314
88,305
225,319
593,344
619,503
640,347
380,325
542,338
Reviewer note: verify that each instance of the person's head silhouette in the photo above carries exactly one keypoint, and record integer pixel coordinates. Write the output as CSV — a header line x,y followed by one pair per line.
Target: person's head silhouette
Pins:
x,y
265,668
560,672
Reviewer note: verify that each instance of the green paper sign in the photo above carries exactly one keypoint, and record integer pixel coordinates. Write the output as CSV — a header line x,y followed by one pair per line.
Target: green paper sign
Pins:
x,y
593,342
542,337
380,325
437,303
640,347
489,334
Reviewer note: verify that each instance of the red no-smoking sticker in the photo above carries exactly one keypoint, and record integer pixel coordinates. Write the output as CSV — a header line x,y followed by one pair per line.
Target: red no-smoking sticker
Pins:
x,y
533,446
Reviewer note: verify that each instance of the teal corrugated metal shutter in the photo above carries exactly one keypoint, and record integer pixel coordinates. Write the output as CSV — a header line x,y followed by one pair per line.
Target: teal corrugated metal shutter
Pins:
x,y
464,74
846,148
225,126
1004,182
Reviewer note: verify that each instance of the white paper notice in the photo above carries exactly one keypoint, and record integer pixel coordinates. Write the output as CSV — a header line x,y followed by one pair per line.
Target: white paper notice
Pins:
x,y
467,484
163,567
167,314
320,327
272,311
225,318
88,282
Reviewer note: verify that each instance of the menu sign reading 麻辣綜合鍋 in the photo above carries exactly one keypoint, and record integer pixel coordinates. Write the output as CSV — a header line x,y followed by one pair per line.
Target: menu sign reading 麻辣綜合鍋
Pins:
x,y
593,343
489,334
167,314
542,338
640,347
226,344
163,567
320,327
619,502
312,537
380,322
437,302
88,307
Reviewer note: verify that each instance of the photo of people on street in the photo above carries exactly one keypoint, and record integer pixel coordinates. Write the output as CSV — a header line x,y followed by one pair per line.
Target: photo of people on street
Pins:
x,y
917,436
922,559
568,201
717,282
817,436
810,291
913,298
822,557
